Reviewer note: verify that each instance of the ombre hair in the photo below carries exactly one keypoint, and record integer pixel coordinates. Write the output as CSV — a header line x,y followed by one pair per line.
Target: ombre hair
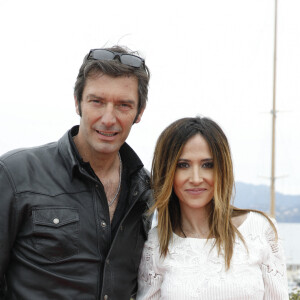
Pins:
x,y
168,149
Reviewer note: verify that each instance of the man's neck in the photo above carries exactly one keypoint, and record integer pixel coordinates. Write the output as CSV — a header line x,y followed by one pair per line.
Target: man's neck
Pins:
x,y
108,169
101,163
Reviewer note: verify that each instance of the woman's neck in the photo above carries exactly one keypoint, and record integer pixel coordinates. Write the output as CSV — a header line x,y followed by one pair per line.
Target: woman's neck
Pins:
x,y
194,223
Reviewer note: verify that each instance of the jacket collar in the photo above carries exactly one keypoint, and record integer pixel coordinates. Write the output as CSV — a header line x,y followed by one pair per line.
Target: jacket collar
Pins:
x,y
66,151
73,160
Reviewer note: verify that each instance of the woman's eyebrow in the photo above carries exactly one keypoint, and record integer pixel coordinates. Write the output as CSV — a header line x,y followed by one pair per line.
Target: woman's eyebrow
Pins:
x,y
202,160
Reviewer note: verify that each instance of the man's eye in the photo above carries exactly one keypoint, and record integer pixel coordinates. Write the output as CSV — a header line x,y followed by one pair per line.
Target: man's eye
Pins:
x,y
208,165
125,105
182,165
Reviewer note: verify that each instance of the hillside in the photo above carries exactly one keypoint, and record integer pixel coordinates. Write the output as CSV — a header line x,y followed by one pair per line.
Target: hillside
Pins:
x,y
258,197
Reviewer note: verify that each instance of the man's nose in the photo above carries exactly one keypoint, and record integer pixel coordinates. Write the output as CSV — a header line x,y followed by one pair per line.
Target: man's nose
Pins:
x,y
108,118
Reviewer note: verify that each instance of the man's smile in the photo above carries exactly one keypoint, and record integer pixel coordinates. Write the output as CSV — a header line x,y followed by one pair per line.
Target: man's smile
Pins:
x,y
107,133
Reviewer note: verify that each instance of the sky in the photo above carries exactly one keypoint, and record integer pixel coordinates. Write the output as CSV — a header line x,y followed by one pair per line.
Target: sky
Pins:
x,y
210,58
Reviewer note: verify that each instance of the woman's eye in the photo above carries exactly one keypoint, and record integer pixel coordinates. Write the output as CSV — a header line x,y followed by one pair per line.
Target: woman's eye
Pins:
x,y
208,165
182,165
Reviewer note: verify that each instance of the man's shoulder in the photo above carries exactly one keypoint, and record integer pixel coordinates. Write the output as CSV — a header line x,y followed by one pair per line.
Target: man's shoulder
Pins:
x,y
26,167
34,155
19,156
142,179
145,174
143,186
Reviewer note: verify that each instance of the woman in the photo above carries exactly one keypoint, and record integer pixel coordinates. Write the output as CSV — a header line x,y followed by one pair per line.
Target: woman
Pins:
x,y
203,247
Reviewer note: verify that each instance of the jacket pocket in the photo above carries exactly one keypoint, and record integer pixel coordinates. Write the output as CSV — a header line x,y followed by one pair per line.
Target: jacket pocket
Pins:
x,y
55,232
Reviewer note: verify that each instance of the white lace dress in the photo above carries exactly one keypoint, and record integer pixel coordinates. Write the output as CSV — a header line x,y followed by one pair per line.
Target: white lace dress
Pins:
x,y
192,270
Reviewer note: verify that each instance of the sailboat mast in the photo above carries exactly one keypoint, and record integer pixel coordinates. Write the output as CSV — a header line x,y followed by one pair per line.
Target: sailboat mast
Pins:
x,y
273,112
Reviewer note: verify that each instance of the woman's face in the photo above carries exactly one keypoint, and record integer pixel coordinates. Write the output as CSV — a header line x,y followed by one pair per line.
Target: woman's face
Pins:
x,y
194,175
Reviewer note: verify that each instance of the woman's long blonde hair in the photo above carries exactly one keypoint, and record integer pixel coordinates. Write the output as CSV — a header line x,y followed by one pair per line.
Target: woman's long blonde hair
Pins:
x,y
167,152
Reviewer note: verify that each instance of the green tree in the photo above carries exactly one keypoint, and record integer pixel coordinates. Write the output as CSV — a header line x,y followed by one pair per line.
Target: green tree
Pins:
x,y
295,295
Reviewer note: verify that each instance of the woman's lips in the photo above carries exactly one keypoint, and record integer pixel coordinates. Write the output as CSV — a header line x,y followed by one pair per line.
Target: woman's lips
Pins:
x,y
195,191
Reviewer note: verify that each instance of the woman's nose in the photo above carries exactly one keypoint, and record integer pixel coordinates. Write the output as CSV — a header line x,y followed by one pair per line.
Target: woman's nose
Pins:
x,y
196,176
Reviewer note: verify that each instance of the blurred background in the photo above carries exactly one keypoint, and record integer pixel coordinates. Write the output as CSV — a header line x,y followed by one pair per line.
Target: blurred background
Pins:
x,y
210,58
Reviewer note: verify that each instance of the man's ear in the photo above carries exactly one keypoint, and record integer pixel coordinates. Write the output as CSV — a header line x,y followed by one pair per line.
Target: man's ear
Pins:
x,y
77,106
139,117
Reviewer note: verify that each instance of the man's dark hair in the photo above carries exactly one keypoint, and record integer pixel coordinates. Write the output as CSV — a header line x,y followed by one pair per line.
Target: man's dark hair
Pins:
x,y
114,68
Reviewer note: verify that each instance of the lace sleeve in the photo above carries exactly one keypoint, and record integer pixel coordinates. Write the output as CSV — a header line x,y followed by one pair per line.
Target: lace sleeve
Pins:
x,y
274,268
149,279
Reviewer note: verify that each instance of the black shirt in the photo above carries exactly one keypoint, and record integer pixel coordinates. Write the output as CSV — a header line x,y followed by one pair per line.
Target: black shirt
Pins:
x,y
129,165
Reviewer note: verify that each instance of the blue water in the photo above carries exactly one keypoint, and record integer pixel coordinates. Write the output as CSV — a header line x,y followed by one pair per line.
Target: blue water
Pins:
x,y
289,233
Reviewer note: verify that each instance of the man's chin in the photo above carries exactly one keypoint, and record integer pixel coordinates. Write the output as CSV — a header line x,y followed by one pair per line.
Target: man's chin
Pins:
x,y
107,149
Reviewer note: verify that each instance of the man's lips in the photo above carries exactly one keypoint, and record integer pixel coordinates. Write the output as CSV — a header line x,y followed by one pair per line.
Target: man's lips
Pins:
x,y
107,133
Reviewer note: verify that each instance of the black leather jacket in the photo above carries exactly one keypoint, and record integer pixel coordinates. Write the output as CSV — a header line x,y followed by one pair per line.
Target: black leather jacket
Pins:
x,y
54,237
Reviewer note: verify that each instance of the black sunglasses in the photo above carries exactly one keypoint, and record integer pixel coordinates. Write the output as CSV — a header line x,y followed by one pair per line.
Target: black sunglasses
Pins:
x,y
124,58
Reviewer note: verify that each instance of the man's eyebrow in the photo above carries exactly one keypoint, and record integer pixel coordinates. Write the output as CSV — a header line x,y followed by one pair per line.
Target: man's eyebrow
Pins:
x,y
126,101
89,96
129,101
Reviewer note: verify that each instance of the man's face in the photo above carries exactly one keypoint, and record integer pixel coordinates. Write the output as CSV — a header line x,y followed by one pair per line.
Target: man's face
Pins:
x,y
109,106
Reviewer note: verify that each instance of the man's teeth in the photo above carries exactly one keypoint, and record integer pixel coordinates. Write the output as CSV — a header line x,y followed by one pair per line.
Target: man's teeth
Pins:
x,y
106,134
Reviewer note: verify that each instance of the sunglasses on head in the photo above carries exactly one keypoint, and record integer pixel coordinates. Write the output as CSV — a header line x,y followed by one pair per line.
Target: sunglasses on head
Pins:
x,y
125,58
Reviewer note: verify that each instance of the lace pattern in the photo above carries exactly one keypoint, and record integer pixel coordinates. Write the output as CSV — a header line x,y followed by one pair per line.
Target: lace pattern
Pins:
x,y
273,260
147,273
194,270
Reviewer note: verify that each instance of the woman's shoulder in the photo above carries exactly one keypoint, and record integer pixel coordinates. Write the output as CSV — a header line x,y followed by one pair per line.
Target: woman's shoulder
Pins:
x,y
152,240
256,217
256,223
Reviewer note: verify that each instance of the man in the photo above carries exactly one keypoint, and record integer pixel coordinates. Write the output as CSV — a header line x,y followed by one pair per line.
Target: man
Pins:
x,y
73,214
